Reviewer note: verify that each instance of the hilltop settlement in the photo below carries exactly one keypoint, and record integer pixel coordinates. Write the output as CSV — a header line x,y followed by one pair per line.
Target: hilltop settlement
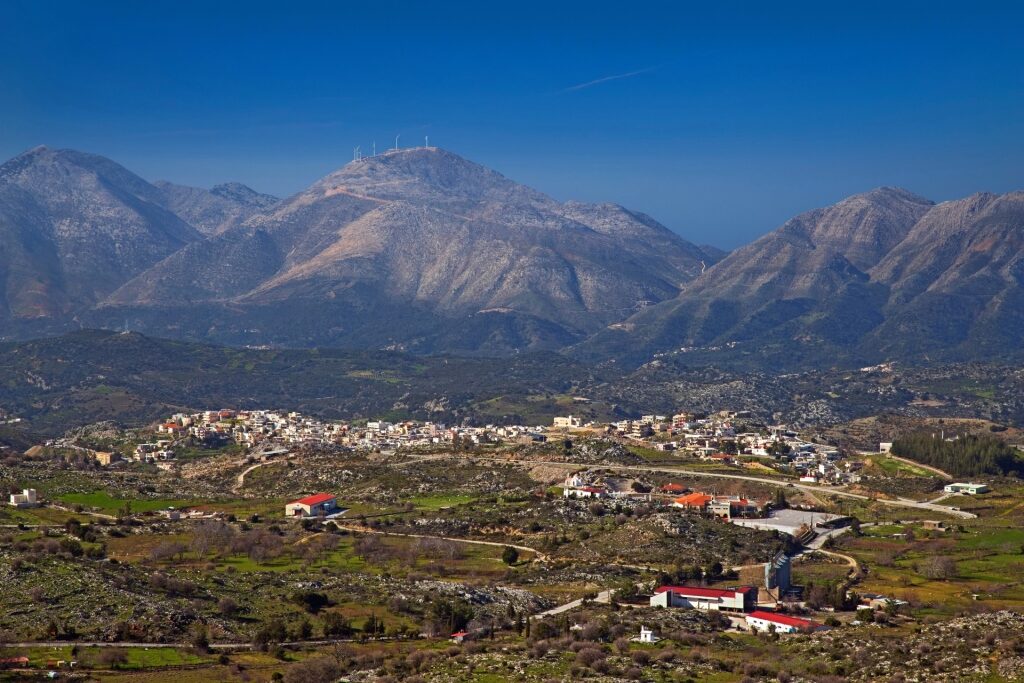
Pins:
x,y
262,544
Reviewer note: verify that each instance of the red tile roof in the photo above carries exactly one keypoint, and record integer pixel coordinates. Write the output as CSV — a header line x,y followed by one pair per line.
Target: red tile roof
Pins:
x,y
785,620
315,499
698,592
674,488
697,500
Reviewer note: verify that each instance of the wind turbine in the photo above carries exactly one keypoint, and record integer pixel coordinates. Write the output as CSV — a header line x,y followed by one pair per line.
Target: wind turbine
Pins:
x,y
396,141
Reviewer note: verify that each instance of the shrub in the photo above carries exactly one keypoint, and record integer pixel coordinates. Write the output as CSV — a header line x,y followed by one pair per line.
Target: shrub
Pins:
x,y
938,567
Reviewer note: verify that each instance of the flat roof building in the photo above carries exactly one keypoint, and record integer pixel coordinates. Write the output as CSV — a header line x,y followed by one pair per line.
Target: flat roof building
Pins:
x,y
968,488
742,599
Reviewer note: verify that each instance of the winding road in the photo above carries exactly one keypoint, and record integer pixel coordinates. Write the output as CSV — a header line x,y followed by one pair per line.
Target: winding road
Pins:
x,y
783,483
538,555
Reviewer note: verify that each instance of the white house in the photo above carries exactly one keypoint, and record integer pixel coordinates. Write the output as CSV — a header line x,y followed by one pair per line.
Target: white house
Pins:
x,y
781,623
568,422
575,480
26,499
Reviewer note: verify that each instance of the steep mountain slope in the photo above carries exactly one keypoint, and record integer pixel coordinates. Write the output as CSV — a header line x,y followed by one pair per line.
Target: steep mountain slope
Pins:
x,y
884,275
806,278
73,228
214,210
411,247
957,281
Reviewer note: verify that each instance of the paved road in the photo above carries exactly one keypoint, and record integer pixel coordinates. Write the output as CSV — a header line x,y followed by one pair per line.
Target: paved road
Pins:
x,y
816,546
825,490
604,597
100,515
240,479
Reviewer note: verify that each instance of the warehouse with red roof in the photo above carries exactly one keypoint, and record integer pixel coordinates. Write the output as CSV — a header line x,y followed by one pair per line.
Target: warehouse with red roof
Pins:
x,y
781,623
317,505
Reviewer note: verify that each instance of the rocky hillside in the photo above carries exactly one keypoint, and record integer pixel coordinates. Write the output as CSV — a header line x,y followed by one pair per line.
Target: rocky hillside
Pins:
x,y
424,251
215,210
957,281
884,274
73,228
417,249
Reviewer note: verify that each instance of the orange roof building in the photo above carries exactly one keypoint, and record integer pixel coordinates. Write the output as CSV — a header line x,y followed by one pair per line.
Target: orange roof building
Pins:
x,y
693,501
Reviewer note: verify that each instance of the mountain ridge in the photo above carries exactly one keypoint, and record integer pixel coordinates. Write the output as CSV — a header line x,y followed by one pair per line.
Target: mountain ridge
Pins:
x,y
425,251
72,227
426,229
882,274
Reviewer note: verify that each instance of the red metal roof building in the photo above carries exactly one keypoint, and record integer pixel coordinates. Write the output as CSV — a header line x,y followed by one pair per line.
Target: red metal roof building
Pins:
x,y
781,623
312,506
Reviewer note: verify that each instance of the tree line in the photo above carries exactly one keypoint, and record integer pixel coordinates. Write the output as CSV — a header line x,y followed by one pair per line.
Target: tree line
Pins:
x,y
964,456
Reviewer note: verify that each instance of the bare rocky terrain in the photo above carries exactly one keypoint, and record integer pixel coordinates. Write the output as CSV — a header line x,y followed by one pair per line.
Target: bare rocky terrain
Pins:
x,y
424,251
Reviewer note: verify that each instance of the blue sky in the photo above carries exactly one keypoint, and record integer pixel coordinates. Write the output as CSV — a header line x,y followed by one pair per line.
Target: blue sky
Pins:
x,y
721,120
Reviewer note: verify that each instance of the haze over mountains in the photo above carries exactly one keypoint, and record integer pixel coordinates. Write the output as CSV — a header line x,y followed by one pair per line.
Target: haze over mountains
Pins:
x,y
425,251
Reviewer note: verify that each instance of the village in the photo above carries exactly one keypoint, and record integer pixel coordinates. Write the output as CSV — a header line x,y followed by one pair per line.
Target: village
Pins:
x,y
715,520
710,437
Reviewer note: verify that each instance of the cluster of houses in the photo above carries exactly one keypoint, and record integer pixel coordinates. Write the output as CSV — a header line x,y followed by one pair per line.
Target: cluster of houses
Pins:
x,y
160,451
716,438
740,601
712,437
253,428
584,484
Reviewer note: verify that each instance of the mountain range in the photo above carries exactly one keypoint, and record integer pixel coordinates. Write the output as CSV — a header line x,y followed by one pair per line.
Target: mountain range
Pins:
x,y
424,251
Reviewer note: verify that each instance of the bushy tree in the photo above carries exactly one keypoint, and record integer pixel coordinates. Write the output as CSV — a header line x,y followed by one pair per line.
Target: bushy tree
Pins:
x,y
509,555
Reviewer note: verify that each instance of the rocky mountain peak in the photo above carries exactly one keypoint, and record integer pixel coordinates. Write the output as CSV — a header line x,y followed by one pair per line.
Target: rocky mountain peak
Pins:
x,y
424,174
73,227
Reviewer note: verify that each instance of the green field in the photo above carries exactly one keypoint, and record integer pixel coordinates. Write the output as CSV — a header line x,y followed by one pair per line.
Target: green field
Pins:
x,y
894,467
439,501
103,501
989,559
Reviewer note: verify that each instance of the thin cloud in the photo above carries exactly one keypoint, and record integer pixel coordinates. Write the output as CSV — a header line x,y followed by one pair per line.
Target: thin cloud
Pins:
x,y
605,79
